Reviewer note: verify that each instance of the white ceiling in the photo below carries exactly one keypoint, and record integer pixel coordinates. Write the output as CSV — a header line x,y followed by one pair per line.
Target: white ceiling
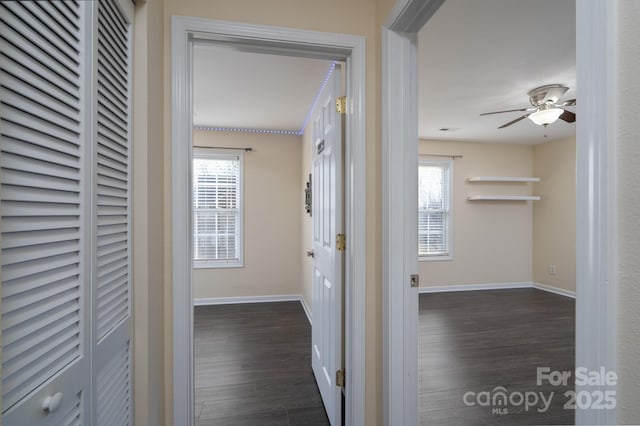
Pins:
x,y
483,56
474,57
238,89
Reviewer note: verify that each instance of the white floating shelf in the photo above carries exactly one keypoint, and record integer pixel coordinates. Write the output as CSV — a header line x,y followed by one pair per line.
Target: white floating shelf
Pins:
x,y
503,179
503,198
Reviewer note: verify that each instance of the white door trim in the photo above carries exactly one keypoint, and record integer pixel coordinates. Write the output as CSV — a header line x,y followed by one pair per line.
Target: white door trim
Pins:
x,y
348,48
596,198
596,306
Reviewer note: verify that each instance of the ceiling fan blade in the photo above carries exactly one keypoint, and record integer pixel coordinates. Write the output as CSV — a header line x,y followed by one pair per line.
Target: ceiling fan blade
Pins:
x,y
568,116
509,110
570,102
514,121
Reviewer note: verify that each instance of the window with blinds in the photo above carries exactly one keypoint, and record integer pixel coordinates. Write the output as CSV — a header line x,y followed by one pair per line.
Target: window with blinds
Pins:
x,y
217,208
434,209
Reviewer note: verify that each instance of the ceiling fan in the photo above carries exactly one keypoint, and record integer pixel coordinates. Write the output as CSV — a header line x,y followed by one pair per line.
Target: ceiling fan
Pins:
x,y
546,108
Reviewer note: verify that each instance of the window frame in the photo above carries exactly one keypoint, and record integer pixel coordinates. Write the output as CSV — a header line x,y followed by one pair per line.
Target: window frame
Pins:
x,y
221,154
425,160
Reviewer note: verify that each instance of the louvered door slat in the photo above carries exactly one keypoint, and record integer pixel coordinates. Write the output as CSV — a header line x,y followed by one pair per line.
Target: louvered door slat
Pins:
x,y
42,347
21,136
107,161
72,417
33,15
27,77
56,56
46,112
63,168
30,121
30,378
34,267
115,105
41,207
36,281
17,178
117,152
109,172
110,191
69,9
110,256
36,68
48,291
113,197
50,17
117,27
40,210
117,246
105,90
52,106
113,391
41,251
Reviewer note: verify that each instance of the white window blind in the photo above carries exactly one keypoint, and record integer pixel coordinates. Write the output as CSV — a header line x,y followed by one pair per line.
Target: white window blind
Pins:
x,y
434,209
217,214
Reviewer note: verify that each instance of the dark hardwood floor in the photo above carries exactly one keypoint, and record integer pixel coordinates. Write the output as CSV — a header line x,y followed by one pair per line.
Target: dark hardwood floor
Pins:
x,y
477,341
253,366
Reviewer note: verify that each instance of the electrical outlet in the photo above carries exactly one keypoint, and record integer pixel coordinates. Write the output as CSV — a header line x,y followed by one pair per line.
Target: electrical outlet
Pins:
x,y
552,269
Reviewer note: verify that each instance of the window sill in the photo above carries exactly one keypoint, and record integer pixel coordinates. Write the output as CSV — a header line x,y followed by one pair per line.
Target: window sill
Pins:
x,y
216,265
434,258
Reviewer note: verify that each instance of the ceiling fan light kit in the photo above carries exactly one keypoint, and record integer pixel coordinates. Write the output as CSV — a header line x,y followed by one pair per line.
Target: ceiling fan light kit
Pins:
x,y
546,109
545,115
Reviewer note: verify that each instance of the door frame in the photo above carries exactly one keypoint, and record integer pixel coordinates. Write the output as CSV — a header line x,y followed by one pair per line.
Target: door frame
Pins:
x,y
596,288
266,39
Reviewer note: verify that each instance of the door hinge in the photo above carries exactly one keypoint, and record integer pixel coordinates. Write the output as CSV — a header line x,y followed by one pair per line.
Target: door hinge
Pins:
x,y
341,242
340,378
341,105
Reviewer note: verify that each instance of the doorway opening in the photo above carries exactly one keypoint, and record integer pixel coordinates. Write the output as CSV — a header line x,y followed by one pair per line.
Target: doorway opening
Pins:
x,y
595,309
260,39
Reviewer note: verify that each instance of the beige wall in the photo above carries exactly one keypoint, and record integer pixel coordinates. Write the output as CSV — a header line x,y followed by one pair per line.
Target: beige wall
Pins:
x,y
306,234
150,369
628,176
491,239
272,205
554,216
352,17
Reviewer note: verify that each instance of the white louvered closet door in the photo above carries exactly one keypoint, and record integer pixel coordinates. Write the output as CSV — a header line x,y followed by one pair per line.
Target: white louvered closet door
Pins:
x,y
44,226
112,267
64,212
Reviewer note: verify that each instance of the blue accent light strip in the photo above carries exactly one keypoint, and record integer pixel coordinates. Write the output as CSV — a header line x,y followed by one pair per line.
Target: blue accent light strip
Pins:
x,y
245,130
317,98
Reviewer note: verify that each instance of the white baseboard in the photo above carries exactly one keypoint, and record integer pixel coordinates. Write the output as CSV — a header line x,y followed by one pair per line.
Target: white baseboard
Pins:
x,y
246,299
205,301
474,287
307,311
555,290
497,286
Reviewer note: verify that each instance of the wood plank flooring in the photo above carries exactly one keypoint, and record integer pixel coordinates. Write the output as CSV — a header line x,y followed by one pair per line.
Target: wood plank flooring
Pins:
x,y
253,366
476,341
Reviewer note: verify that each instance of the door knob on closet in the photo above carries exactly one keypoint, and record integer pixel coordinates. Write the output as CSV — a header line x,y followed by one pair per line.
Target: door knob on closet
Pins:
x,y
310,253
52,403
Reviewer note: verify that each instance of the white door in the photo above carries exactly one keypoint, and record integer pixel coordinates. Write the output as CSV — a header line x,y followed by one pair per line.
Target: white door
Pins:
x,y
64,212
328,261
44,222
